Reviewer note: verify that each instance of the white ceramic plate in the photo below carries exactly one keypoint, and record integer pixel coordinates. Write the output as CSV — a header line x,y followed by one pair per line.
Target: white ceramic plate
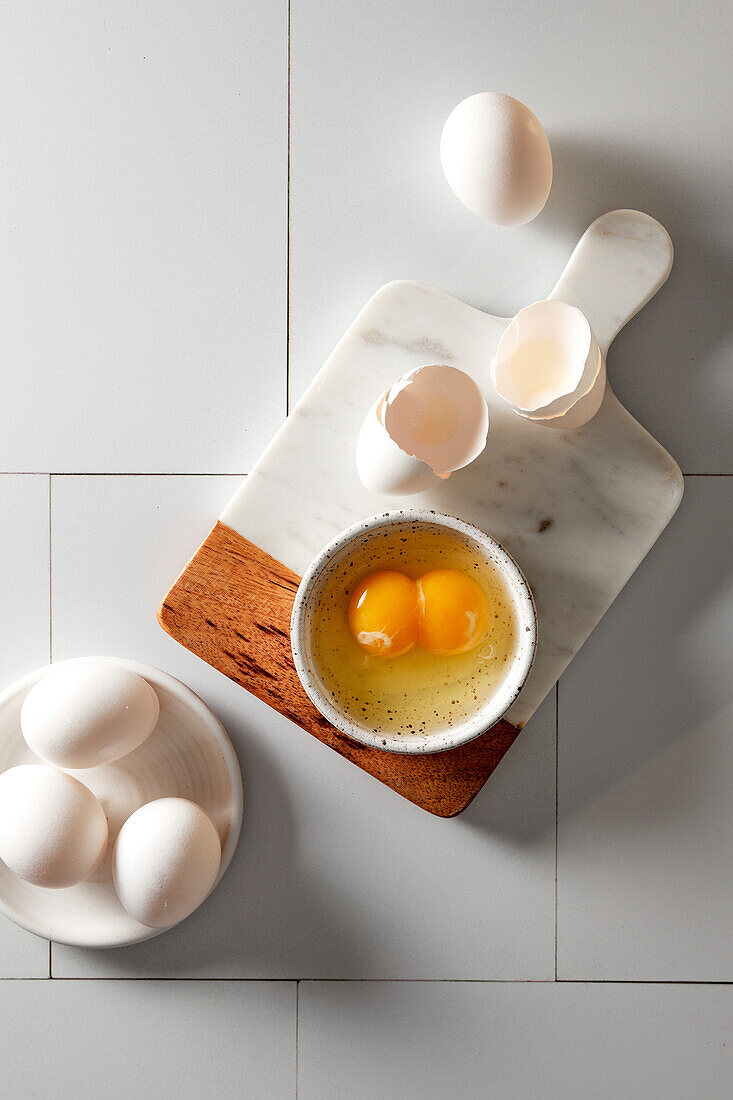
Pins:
x,y
188,754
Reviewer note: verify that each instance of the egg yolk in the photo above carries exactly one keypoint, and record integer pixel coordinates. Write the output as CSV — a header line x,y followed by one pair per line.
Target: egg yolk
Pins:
x,y
453,612
383,613
445,611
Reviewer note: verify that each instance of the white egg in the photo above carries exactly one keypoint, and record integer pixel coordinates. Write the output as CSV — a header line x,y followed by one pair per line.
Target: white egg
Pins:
x,y
430,422
496,158
53,831
165,861
86,713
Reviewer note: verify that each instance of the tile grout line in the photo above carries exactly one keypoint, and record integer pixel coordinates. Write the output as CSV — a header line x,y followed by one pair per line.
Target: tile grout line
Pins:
x,y
287,222
287,370
297,1035
50,570
125,473
192,473
385,981
557,801
50,635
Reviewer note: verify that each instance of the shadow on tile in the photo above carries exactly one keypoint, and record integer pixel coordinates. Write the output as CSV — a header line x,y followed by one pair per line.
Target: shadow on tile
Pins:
x,y
668,367
657,672
269,912
517,803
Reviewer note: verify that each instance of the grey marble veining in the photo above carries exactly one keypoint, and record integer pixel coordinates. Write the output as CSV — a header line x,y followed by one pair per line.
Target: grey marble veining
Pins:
x,y
577,509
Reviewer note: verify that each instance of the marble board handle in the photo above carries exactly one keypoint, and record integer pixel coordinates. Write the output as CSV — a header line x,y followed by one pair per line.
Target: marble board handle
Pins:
x,y
619,263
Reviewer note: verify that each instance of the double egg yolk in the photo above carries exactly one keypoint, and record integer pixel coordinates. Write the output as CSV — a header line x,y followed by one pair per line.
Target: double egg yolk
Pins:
x,y
445,611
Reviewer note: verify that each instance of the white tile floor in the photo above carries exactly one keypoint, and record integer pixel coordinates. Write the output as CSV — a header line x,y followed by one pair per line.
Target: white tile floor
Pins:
x,y
149,243
646,792
508,1039
162,1039
144,247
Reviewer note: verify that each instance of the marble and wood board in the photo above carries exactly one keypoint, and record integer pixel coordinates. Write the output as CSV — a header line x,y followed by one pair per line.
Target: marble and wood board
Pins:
x,y
578,509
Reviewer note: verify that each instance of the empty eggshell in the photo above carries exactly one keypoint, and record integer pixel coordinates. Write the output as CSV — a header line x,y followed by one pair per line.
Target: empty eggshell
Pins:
x,y
548,366
86,713
53,831
165,861
430,422
496,158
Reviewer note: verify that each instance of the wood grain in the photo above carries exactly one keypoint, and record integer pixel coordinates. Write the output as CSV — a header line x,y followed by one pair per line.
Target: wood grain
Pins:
x,y
231,606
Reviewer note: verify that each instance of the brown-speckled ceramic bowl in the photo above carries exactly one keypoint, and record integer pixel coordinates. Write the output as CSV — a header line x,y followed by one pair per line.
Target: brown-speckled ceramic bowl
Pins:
x,y
440,739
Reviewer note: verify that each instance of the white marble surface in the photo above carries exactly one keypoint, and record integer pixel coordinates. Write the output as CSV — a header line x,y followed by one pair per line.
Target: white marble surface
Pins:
x,y
173,254
577,510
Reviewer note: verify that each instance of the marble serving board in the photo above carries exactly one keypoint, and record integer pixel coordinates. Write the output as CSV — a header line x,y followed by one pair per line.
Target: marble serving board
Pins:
x,y
578,509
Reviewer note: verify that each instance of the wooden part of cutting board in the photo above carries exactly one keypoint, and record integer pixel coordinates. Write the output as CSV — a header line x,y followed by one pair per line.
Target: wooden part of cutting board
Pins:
x,y
231,606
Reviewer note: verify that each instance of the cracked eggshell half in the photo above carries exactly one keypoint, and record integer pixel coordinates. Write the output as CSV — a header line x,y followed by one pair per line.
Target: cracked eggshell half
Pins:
x,y
432,421
548,366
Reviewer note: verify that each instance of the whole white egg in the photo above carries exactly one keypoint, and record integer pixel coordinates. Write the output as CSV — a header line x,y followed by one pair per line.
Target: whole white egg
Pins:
x,y
53,831
86,713
165,861
496,158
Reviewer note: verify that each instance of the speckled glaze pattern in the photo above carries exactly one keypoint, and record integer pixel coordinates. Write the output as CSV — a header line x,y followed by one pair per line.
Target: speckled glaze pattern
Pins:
x,y
188,755
365,533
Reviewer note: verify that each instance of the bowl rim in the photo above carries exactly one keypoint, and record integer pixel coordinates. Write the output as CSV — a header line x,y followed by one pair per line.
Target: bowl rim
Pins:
x,y
488,715
214,729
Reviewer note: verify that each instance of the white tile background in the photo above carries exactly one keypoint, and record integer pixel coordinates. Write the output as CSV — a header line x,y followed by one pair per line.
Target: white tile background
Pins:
x,y
196,199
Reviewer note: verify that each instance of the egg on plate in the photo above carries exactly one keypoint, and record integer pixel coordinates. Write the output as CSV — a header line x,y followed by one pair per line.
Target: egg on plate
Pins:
x,y
53,831
165,861
86,713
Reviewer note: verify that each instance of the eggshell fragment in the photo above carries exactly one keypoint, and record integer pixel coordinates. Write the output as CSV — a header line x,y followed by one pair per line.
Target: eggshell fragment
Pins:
x,y
165,861
548,366
496,158
587,406
432,421
87,713
53,831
